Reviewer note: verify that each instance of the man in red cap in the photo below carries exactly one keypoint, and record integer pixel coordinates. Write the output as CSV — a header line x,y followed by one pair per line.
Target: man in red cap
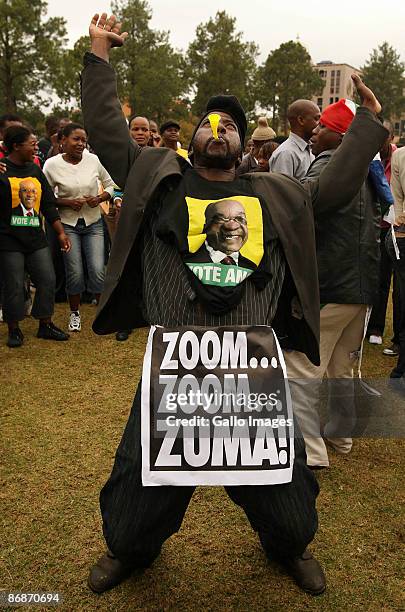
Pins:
x,y
348,264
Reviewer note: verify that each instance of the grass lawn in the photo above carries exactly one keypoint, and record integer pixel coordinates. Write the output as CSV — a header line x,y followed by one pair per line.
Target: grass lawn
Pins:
x,y
63,409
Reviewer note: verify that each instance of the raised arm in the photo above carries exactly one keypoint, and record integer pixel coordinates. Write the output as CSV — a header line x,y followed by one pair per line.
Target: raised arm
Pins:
x,y
102,112
343,176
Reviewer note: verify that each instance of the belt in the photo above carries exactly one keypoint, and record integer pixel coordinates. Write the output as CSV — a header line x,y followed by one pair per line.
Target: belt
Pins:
x,y
399,234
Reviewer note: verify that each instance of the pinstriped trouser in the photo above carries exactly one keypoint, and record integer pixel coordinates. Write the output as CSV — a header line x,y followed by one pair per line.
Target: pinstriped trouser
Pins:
x,y
137,519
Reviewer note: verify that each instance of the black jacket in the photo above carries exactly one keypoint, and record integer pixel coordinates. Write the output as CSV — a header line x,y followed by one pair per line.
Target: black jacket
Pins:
x,y
347,244
19,212
202,256
146,173
248,164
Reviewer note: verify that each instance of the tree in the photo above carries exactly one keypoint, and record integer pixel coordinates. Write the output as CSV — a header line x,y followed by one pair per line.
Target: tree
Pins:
x,y
29,52
219,61
384,74
149,70
66,77
287,75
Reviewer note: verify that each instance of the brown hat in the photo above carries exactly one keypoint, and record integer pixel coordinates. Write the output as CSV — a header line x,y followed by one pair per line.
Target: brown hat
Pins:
x,y
263,130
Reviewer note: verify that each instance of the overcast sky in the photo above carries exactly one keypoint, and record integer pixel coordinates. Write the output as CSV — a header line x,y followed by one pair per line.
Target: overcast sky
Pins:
x,y
343,31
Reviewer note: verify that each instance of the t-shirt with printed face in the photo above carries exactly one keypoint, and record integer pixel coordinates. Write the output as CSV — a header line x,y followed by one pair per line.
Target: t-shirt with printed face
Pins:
x,y
220,229
25,196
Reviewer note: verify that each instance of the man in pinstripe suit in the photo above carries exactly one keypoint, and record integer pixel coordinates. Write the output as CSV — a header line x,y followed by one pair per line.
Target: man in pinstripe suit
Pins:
x,y
147,283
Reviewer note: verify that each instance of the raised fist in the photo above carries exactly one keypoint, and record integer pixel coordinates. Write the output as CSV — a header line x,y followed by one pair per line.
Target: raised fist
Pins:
x,y
367,97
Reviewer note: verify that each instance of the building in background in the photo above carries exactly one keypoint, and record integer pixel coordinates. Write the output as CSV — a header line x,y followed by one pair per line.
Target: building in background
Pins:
x,y
337,83
399,129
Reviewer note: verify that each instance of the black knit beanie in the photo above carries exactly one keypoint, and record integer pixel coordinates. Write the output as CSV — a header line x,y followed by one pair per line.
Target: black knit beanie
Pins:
x,y
231,106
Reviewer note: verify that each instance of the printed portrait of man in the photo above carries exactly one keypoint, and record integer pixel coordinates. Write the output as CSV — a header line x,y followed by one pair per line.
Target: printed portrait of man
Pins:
x,y
226,232
27,194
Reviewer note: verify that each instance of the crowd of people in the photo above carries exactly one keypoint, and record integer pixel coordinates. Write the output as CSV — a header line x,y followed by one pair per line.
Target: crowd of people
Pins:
x,y
80,186
332,236
89,203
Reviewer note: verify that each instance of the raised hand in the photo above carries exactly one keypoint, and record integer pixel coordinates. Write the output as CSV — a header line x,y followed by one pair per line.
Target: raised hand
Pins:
x,y
105,33
367,97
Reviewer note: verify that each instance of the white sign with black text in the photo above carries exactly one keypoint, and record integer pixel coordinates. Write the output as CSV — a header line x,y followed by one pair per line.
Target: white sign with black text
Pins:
x,y
216,408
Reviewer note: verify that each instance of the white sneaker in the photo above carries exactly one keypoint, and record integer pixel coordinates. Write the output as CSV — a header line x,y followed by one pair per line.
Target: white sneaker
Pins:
x,y
375,340
75,324
392,351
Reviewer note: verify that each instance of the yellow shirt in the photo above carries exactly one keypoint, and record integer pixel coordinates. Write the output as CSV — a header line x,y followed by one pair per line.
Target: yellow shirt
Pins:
x,y
183,153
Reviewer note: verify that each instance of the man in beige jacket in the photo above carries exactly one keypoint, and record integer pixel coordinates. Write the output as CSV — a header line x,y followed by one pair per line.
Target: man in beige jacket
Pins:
x,y
397,252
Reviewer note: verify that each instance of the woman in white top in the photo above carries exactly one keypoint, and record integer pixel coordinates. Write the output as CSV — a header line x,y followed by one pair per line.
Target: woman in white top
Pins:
x,y
75,175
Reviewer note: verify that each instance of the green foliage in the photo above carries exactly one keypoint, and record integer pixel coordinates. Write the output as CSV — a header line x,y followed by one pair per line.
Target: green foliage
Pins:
x,y
384,74
219,61
149,69
187,126
72,113
156,80
66,77
35,119
287,75
29,53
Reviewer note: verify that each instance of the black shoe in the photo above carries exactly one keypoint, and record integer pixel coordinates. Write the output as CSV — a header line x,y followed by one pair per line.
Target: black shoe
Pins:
x,y
49,331
123,335
15,338
307,573
396,374
396,382
107,573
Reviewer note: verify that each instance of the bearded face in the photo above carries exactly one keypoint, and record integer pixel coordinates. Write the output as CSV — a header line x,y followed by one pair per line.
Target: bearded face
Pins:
x,y
221,152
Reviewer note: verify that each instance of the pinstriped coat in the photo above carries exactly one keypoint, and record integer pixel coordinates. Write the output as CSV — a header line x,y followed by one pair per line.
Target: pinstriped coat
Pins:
x,y
291,205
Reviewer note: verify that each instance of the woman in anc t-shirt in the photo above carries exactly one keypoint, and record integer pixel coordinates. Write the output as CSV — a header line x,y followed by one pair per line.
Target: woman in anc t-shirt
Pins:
x,y
25,196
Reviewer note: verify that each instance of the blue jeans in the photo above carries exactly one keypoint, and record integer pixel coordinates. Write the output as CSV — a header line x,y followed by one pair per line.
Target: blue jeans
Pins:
x,y
88,243
40,268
